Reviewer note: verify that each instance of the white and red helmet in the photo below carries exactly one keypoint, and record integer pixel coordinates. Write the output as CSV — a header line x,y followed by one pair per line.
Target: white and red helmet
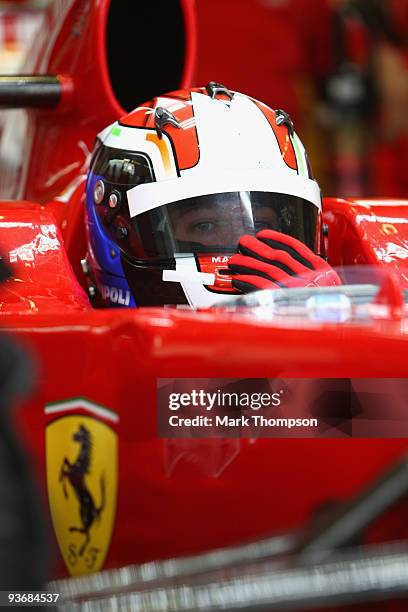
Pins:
x,y
174,185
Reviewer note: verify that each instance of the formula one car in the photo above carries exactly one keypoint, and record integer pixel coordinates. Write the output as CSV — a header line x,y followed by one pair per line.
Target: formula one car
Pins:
x,y
117,493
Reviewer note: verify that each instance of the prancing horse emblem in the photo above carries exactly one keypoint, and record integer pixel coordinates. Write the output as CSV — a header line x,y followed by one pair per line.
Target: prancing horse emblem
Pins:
x,y
75,473
82,481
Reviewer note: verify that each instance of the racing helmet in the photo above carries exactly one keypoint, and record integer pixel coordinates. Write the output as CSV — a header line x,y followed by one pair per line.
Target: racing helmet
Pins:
x,y
172,187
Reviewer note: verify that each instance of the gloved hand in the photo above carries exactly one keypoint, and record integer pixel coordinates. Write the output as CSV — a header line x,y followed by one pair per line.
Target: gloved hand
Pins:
x,y
273,260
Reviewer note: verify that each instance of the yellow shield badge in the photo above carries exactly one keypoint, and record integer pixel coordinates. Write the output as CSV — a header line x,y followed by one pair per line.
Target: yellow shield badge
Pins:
x,y
82,468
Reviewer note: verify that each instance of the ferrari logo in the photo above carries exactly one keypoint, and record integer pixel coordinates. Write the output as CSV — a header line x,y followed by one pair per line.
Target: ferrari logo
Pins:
x,y
81,454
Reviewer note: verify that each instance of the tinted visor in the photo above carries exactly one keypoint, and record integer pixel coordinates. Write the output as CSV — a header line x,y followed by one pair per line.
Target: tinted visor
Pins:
x,y
216,222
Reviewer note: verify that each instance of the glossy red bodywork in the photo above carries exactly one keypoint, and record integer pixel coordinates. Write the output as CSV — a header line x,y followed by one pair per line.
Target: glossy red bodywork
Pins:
x,y
172,500
177,497
72,45
368,232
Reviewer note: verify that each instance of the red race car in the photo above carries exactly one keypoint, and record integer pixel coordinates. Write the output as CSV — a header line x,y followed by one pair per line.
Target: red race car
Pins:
x,y
118,492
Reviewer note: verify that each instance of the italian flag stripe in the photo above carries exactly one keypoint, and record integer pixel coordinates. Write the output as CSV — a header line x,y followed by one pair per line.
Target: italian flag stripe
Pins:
x,y
300,155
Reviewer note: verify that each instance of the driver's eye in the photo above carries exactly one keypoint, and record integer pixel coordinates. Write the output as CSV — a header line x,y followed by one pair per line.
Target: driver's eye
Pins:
x,y
204,226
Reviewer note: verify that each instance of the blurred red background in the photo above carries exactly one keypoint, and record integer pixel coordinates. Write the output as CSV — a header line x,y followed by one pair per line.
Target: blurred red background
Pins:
x,y
306,56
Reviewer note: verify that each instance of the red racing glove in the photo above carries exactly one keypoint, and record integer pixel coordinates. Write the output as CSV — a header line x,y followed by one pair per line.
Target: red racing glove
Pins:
x,y
273,260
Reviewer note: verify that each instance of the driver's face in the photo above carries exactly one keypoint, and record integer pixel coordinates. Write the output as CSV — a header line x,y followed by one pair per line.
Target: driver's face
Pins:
x,y
218,225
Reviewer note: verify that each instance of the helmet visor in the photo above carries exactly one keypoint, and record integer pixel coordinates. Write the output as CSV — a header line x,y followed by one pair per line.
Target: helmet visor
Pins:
x,y
216,222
